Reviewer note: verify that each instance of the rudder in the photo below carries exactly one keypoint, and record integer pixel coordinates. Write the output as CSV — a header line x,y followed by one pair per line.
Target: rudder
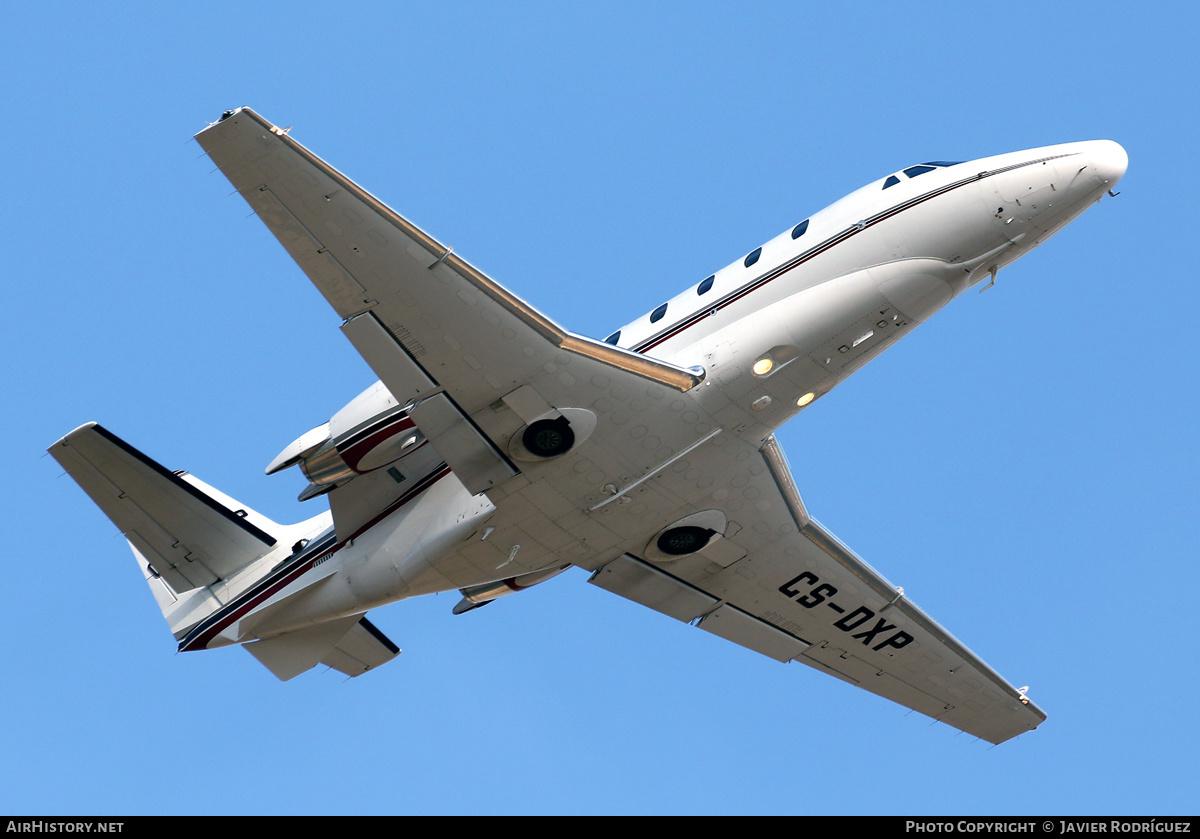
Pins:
x,y
186,535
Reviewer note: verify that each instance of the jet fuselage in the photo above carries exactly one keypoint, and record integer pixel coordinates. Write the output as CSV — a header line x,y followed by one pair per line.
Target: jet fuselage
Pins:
x,y
773,332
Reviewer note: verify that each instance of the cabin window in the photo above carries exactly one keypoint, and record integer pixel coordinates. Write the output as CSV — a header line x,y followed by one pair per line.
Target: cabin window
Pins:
x,y
658,313
704,287
612,339
800,229
913,171
891,181
753,257
941,163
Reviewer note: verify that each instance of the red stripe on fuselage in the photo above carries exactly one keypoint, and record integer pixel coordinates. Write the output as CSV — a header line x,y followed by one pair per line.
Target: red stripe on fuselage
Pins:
x,y
200,637
837,239
360,449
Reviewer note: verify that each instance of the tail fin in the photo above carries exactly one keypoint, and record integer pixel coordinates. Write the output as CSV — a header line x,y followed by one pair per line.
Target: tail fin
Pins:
x,y
186,535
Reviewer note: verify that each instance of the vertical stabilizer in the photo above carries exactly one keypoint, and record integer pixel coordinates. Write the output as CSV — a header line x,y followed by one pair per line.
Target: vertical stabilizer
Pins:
x,y
186,536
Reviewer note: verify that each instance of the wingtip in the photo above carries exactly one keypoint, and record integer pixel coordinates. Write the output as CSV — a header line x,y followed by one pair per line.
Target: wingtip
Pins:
x,y
72,434
232,112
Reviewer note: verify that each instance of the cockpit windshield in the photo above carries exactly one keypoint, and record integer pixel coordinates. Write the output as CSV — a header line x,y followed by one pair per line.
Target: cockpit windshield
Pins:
x,y
913,171
920,169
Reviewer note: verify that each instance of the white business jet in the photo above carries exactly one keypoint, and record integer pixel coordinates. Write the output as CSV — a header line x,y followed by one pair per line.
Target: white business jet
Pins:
x,y
499,449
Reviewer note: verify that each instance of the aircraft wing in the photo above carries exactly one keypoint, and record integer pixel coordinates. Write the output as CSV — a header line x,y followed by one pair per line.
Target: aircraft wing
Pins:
x,y
779,583
436,330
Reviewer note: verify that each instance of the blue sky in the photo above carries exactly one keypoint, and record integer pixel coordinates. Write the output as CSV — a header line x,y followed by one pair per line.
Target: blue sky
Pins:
x,y
1024,464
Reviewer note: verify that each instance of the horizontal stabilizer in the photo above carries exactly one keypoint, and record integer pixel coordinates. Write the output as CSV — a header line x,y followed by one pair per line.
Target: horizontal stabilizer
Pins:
x,y
364,648
351,645
190,534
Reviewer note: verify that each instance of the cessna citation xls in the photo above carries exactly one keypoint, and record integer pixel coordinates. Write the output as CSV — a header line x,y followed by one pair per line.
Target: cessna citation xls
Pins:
x,y
498,449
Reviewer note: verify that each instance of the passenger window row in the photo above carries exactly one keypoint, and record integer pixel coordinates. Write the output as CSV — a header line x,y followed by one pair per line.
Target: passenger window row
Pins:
x,y
707,283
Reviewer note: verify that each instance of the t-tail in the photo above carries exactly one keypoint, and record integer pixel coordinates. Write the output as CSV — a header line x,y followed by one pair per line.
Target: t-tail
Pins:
x,y
201,552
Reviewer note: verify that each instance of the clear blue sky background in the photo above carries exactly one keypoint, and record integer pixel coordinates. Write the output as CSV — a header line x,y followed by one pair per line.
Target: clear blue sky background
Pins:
x,y
1024,464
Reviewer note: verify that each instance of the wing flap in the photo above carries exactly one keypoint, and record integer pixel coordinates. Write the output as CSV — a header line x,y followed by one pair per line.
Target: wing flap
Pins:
x,y
642,583
732,624
383,351
472,456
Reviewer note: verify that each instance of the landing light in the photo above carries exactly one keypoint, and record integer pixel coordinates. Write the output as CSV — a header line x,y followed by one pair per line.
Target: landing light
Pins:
x,y
763,366
805,399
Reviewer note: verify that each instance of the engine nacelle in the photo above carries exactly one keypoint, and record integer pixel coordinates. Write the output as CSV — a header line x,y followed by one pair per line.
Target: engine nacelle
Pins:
x,y
371,432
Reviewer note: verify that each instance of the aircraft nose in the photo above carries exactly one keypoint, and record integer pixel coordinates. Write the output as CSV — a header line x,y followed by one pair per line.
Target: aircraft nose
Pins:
x,y
1109,158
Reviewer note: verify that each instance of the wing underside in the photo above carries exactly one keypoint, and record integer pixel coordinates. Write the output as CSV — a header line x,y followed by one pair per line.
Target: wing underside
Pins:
x,y
429,323
794,592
